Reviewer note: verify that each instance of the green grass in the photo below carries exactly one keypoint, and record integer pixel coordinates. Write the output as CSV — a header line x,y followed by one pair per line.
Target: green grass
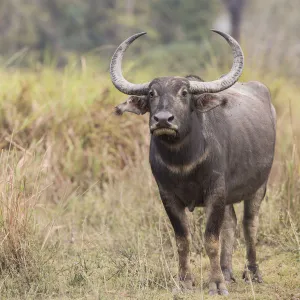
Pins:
x,y
80,215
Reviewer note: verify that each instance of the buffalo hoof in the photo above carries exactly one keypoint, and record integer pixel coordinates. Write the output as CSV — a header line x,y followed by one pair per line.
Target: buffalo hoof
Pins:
x,y
228,276
218,289
185,286
252,273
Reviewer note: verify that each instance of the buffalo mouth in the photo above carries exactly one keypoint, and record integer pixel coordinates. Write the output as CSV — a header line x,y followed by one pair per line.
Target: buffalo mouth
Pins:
x,y
170,132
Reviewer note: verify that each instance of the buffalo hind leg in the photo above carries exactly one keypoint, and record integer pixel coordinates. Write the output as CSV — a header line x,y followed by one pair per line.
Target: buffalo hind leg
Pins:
x,y
250,224
179,221
228,233
215,213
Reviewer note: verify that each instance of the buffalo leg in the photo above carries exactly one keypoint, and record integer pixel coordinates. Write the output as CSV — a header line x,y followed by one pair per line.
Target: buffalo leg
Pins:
x,y
215,215
227,242
250,223
179,221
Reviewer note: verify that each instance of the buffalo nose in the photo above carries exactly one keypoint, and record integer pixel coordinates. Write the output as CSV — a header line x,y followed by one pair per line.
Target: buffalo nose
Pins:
x,y
163,117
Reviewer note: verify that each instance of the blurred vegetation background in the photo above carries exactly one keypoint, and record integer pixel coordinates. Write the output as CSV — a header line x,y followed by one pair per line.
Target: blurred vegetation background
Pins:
x,y
73,25
57,30
62,26
80,215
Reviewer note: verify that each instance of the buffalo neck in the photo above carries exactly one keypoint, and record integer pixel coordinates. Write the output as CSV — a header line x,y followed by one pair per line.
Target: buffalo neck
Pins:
x,y
191,149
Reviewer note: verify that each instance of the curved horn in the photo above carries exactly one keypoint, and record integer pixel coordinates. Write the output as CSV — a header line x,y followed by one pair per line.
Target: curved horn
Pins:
x,y
229,79
116,71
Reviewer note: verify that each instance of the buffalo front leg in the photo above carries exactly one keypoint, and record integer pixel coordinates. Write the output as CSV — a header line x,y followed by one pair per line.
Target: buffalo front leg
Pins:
x,y
250,224
178,218
228,233
215,215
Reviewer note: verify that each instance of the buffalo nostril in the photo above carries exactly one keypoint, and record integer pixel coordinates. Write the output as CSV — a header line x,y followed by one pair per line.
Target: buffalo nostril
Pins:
x,y
170,119
163,117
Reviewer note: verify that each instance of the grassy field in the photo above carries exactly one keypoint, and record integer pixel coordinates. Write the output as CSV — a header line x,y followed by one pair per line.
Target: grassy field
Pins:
x,y
80,215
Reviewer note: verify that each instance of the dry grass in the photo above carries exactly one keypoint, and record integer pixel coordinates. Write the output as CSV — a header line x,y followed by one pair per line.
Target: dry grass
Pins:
x,y
80,212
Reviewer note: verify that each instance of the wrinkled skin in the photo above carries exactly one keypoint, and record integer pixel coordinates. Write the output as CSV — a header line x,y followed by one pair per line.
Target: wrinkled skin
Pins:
x,y
212,150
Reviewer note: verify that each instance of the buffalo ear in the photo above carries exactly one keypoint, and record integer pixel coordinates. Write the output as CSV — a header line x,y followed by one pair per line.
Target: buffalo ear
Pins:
x,y
207,102
134,104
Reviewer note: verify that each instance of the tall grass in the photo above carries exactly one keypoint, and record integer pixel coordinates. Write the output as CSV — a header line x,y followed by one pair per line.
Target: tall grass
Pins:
x,y
21,188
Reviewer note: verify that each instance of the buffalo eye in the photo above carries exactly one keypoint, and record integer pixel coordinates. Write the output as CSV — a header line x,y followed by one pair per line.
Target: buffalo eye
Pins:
x,y
184,93
151,94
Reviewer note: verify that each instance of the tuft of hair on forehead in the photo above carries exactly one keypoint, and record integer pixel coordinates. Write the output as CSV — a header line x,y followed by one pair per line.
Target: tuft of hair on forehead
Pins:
x,y
169,81
194,78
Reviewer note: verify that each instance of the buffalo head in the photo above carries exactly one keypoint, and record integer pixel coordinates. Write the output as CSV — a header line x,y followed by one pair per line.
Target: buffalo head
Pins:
x,y
171,100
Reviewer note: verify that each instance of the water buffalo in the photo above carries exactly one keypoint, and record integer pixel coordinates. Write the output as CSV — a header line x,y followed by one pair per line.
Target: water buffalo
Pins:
x,y
212,145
